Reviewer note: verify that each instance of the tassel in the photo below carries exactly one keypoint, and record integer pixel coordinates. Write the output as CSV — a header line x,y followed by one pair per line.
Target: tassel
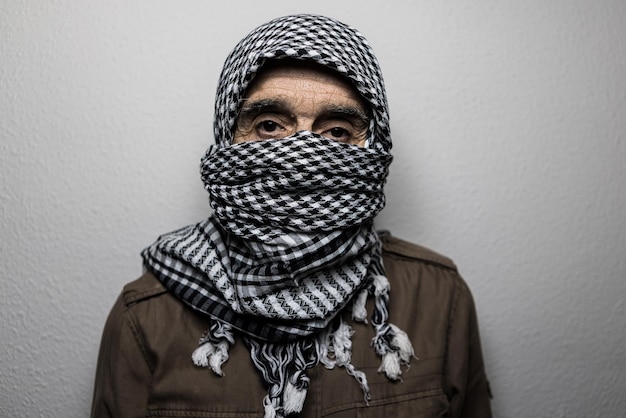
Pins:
x,y
293,398
381,285
219,357
359,313
391,365
270,411
213,348
401,355
200,356
342,344
209,354
405,348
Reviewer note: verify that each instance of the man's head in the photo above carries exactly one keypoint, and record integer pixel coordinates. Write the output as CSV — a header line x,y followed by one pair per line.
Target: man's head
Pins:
x,y
302,72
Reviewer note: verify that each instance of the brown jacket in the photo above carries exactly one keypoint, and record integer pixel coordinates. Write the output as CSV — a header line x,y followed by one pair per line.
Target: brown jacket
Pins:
x,y
145,367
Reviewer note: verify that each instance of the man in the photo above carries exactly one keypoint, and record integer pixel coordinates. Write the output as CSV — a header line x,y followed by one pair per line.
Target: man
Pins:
x,y
301,307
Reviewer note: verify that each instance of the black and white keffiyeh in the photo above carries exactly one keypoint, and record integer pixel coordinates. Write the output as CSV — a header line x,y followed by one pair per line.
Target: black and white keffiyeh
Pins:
x,y
291,240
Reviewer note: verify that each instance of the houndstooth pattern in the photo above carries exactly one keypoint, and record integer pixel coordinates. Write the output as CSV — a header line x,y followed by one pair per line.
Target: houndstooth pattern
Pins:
x,y
304,183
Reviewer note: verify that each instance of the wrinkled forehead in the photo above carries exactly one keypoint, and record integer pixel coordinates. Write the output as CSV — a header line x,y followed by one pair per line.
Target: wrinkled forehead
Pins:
x,y
287,67
320,40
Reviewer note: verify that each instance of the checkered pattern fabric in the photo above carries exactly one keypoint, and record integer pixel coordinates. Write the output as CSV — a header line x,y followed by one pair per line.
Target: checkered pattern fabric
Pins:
x,y
305,183
291,239
325,41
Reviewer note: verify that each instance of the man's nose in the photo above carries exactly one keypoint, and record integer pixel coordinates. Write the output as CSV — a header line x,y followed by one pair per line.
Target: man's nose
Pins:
x,y
303,124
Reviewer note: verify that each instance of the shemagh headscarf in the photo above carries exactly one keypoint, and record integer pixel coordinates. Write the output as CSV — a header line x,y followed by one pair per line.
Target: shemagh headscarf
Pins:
x,y
291,241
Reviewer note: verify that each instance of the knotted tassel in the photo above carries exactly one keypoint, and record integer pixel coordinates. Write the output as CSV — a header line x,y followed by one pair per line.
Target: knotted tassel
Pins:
x,y
213,349
200,355
209,354
399,355
359,312
381,286
270,411
390,342
295,394
403,343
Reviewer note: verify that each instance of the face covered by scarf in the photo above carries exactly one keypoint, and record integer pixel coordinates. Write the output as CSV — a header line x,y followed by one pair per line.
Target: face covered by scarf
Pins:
x,y
291,240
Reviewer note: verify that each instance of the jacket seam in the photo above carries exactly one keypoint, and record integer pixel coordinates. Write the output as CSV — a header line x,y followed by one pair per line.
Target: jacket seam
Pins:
x,y
422,260
408,249
452,315
192,413
407,253
139,338
132,296
391,248
142,295
422,394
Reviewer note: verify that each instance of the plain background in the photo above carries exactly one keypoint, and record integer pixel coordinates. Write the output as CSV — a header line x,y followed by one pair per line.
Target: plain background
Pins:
x,y
509,122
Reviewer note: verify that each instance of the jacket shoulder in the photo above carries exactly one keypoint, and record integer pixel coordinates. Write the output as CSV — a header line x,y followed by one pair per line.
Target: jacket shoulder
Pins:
x,y
400,247
145,287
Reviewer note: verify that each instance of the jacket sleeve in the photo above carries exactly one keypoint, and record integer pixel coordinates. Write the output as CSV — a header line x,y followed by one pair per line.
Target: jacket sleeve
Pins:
x,y
123,374
467,382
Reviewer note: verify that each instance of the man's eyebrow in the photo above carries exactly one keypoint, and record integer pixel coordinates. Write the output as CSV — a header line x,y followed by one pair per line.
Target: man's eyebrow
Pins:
x,y
347,112
254,107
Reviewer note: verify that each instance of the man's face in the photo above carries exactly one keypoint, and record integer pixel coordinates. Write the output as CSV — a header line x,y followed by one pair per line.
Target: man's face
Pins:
x,y
288,98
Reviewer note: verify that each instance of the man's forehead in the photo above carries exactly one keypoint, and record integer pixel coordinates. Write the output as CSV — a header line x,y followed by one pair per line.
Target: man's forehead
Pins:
x,y
276,70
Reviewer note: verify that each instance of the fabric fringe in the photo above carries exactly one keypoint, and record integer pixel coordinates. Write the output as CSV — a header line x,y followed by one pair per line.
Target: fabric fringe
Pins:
x,y
213,347
359,312
268,406
283,367
339,353
293,397
390,342
401,355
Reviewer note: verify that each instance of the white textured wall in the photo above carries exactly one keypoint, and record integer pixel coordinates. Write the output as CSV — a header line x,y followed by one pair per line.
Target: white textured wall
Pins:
x,y
509,120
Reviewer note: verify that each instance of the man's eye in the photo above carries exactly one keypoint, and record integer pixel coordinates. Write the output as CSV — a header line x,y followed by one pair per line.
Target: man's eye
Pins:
x,y
339,133
268,126
268,129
